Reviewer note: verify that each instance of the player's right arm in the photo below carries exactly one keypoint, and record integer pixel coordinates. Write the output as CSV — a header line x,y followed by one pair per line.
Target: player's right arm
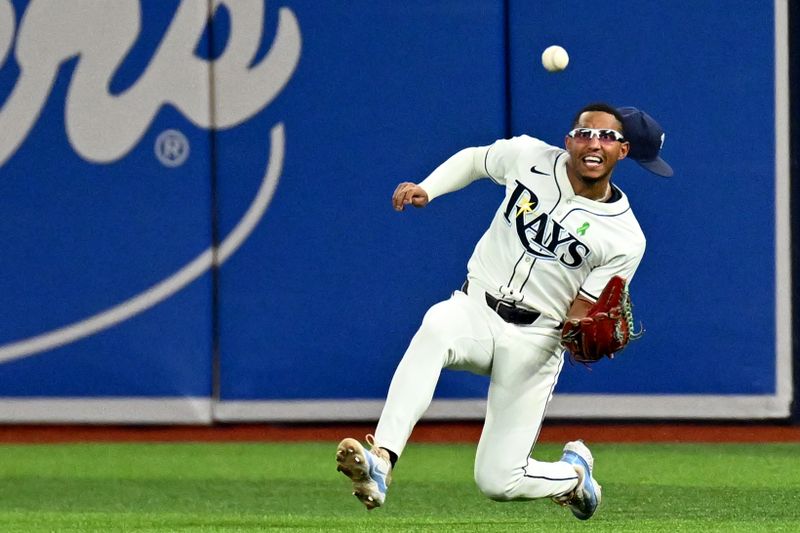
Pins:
x,y
456,173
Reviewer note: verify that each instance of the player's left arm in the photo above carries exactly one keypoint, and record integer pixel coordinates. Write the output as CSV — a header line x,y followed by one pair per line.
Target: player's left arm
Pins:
x,y
624,266
598,326
580,308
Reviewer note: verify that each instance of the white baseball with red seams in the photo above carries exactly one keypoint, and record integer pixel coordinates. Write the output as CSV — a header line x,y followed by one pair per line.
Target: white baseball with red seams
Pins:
x,y
555,58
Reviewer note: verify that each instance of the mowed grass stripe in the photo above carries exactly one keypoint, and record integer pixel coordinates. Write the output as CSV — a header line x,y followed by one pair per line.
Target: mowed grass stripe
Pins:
x,y
294,487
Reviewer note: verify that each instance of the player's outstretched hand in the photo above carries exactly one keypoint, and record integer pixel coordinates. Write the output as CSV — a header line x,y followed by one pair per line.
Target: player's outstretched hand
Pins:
x,y
409,193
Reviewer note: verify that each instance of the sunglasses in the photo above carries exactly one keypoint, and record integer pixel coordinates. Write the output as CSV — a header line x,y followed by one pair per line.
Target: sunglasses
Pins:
x,y
605,136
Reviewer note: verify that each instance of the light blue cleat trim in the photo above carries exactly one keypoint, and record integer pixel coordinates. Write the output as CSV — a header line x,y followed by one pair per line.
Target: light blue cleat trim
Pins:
x,y
369,470
375,473
586,497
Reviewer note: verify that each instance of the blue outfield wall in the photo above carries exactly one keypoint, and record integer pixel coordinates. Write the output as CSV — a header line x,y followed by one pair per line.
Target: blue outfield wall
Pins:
x,y
91,217
706,287
133,139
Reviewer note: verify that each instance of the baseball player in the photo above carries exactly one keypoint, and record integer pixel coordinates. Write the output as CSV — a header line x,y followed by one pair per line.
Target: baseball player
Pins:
x,y
560,234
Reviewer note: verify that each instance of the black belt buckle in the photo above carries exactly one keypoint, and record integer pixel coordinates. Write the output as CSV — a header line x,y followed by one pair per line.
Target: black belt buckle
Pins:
x,y
510,312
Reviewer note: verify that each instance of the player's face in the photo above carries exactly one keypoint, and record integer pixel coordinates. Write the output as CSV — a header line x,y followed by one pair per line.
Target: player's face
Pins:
x,y
594,158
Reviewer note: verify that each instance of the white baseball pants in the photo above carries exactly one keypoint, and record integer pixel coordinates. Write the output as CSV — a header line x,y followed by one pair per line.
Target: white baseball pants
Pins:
x,y
463,333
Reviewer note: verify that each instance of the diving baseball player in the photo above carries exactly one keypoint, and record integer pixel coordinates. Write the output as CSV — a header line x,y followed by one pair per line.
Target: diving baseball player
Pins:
x,y
561,233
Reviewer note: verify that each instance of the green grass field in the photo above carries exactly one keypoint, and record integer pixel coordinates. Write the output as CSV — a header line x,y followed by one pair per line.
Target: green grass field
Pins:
x,y
294,487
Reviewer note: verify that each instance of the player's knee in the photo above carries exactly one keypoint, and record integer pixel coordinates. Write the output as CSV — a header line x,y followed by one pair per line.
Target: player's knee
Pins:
x,y
494,487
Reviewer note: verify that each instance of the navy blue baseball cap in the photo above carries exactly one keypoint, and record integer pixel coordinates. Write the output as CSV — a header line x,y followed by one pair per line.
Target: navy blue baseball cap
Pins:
x,y
647,138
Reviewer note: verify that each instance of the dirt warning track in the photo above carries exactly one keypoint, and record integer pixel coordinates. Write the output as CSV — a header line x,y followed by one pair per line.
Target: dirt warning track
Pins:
x,y
424,432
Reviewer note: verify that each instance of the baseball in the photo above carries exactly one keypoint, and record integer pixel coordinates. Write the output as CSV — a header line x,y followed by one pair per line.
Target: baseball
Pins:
x,y
555,58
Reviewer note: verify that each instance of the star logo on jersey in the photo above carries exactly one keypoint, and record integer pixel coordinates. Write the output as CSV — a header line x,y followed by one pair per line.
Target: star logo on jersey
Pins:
x,y
582,230
526,207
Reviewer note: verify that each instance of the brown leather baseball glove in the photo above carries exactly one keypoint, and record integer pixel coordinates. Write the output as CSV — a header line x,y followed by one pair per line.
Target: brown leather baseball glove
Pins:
x,y
606,329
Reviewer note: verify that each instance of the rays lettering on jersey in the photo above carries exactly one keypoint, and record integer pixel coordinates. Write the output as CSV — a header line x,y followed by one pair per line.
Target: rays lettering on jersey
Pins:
x,y
539,233
103,127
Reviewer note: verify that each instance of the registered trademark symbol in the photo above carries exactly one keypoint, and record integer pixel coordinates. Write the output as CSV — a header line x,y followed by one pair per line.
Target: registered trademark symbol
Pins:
x,y
172,148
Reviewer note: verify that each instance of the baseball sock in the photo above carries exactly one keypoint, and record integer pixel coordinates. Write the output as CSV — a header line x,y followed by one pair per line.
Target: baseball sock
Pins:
x,y
392,456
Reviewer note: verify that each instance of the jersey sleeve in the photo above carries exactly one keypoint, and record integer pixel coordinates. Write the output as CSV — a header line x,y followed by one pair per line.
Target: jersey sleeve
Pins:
x,y
622,265
503,155
457,172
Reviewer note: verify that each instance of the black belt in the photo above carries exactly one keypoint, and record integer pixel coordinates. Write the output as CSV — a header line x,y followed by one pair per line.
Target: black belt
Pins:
x,y
508,311
511,313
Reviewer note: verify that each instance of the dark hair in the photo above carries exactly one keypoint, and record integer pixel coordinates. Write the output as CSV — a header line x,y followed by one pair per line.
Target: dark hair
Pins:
x,y
599,106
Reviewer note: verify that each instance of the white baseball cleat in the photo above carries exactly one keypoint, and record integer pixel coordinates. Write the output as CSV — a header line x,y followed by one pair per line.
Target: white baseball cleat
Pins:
x,y
582,501
369,470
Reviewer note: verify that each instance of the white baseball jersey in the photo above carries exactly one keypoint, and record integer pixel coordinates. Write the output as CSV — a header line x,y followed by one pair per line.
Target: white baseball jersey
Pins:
x,y
546,245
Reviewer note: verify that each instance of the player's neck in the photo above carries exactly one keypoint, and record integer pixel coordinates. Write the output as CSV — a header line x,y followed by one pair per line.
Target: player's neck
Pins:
x,y
598,189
